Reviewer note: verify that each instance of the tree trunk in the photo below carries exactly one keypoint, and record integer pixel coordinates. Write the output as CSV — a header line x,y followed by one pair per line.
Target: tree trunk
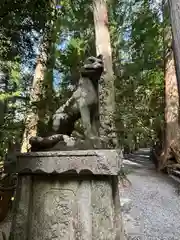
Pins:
x,y
171,95
106,86
171,100
171,110
41,96
33,115
174,8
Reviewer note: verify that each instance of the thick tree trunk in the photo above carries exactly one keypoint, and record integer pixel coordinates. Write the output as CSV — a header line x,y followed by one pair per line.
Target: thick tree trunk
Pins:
x,y
41,96
106,85
174,8
171,110
171,100
32,119
171,96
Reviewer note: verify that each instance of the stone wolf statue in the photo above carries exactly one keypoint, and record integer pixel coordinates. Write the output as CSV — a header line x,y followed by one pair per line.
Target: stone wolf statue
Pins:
x,y
82,104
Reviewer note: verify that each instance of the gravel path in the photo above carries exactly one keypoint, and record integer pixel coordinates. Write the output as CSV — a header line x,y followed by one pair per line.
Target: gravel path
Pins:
x,y
151,205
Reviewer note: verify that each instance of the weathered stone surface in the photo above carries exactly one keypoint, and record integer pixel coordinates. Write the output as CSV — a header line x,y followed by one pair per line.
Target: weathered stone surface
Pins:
x,y
71,144
21,208
82,104
61,208
68,207
103,162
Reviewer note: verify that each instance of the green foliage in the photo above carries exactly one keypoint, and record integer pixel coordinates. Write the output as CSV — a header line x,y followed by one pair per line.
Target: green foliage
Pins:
x,y
19,21
137,44
140,84
12,106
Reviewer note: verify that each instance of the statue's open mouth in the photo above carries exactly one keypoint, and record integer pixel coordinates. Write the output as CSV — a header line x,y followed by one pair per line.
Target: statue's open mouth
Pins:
x,y
93,64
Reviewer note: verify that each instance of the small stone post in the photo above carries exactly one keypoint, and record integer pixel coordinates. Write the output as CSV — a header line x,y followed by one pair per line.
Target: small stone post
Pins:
x,y
67,195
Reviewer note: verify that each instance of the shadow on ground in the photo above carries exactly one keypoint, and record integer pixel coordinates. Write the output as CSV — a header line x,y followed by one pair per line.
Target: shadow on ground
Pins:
x,y
140,164
138,159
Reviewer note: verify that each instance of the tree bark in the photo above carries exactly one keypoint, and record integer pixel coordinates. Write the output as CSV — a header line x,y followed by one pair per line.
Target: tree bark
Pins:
x,y
41,96
33,115
174,8
106,85
171,110
171,100
171,95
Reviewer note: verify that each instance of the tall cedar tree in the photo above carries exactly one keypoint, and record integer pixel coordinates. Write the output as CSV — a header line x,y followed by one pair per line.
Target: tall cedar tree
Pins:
x,y
106,85
171,94
174,8
41,86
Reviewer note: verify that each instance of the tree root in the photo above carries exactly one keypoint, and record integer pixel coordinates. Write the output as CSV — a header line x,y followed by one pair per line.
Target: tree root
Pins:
x,y
167,159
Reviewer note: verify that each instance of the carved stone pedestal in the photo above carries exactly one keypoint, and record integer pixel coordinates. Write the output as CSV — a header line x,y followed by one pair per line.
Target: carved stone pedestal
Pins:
x,y
69,195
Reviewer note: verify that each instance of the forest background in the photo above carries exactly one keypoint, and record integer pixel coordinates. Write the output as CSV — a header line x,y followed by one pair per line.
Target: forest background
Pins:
x,y
63,35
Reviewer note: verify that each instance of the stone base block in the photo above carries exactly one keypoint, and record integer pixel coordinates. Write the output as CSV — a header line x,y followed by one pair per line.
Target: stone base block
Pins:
x,y
60,200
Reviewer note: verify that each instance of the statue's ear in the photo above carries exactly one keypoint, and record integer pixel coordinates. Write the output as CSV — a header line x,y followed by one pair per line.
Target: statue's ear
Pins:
x,y
100,56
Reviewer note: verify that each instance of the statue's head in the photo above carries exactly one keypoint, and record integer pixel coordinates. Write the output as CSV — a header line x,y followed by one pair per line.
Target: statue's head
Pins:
x,y
93,67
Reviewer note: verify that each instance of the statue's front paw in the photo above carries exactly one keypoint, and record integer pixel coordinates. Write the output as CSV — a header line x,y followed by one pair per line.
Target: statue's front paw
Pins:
x,y
35,140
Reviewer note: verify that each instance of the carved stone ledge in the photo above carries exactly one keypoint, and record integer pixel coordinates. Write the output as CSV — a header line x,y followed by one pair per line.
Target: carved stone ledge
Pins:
x,y
98,162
